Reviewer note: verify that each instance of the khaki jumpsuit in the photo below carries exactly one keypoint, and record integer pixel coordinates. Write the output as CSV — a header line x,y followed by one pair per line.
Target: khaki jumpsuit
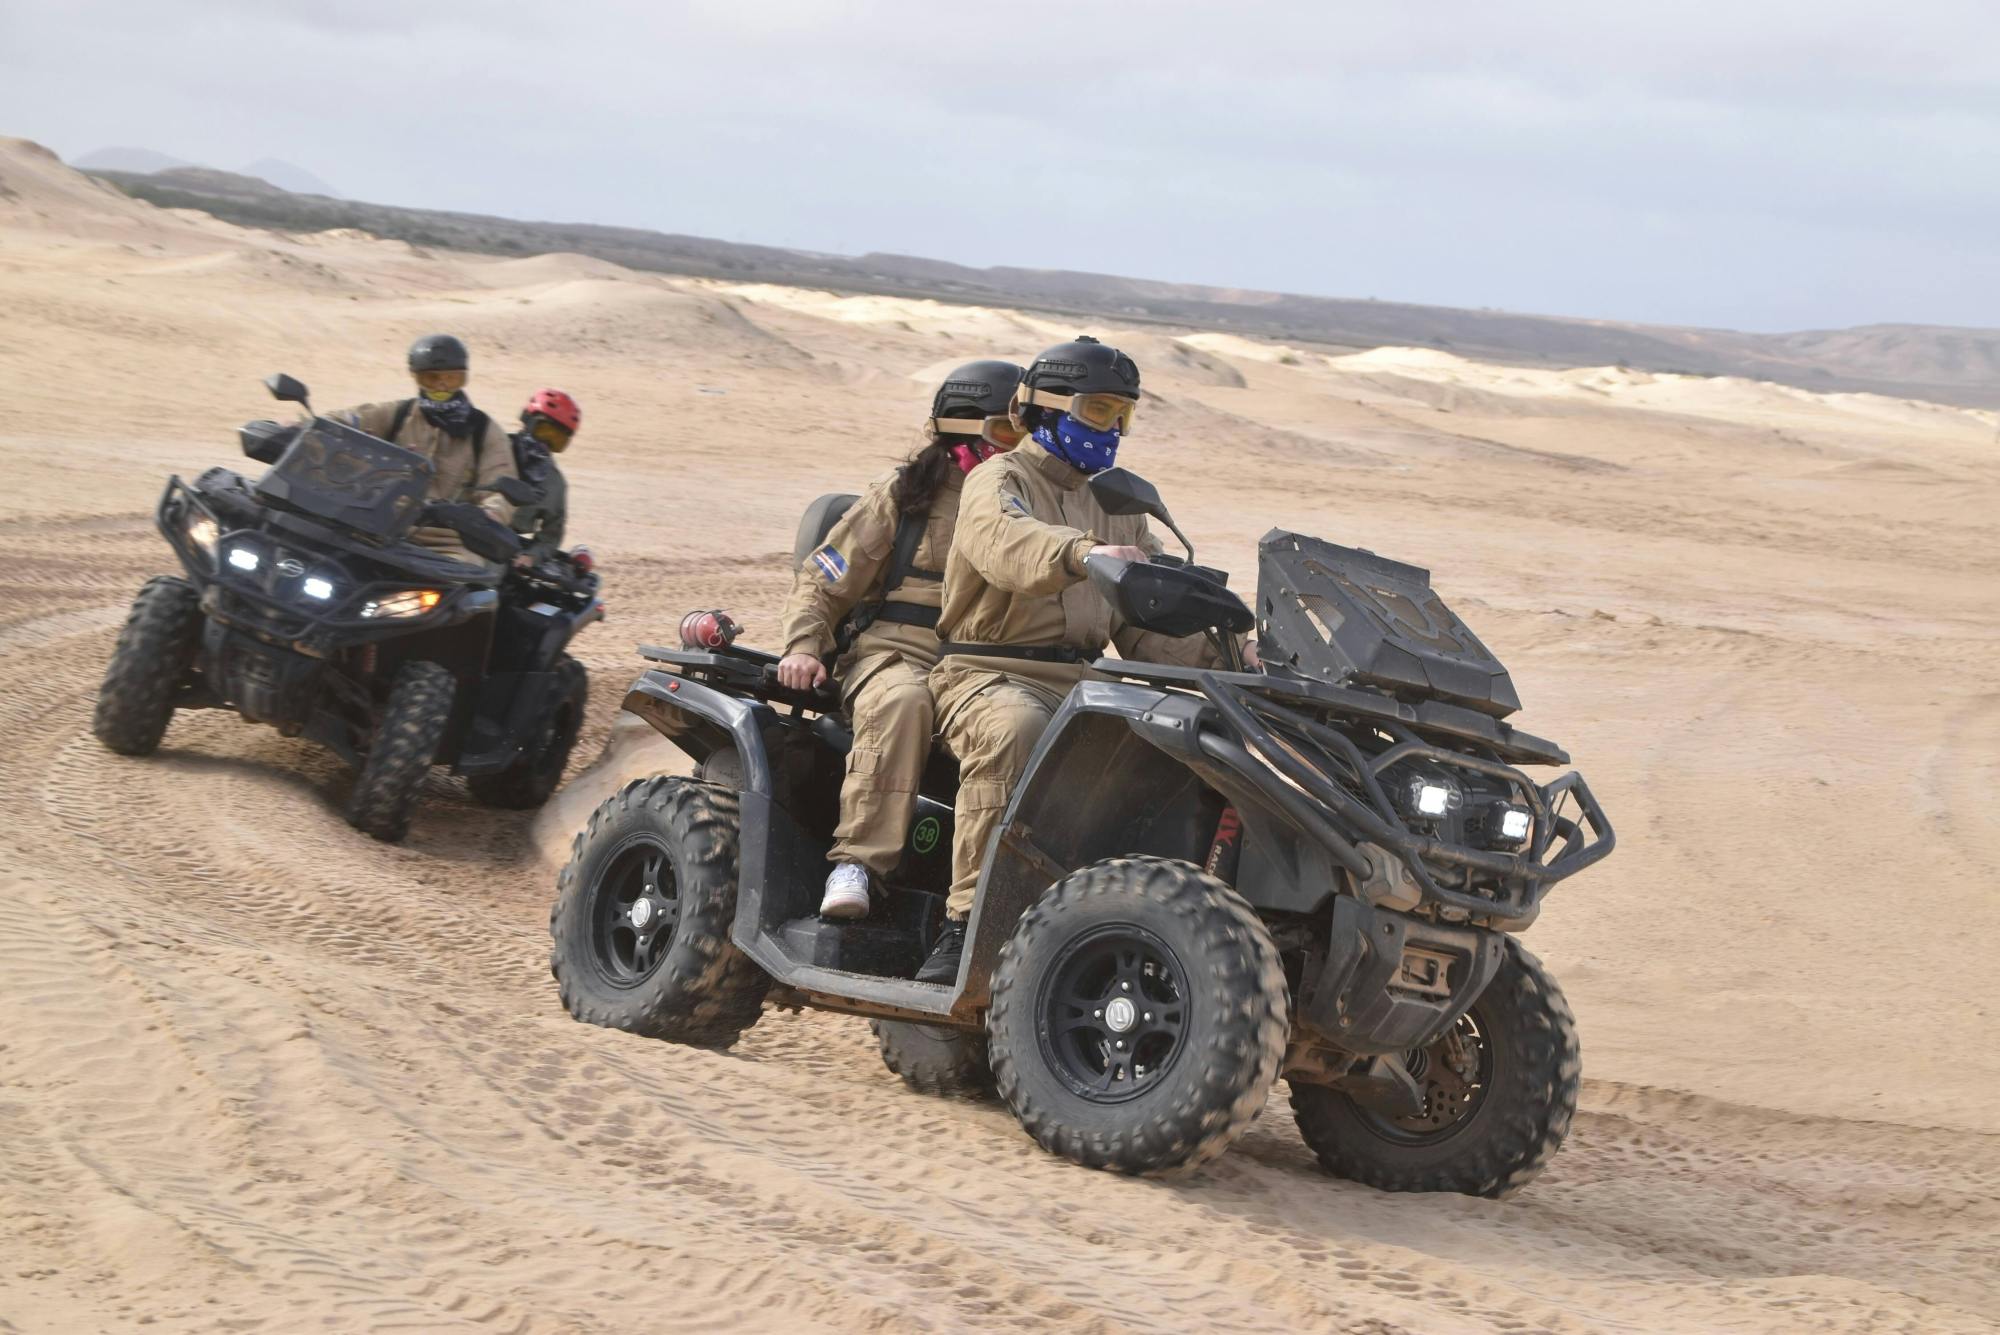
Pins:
x,y
457,478
883,676
1015,577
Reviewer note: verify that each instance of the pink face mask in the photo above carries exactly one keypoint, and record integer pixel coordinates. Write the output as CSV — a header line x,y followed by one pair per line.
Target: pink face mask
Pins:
x,y
973,453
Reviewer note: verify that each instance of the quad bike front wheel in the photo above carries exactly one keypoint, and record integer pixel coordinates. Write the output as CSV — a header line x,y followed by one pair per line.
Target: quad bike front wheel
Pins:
x,y
528,782
1139,1016
934,1058
642,916
148,668
1499,1090
405,743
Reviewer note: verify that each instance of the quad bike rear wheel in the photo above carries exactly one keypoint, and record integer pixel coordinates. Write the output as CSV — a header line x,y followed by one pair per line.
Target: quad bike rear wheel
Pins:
x,y
934,1058
1139,1016
528,782
400,754
1499,1091
643,909
148,668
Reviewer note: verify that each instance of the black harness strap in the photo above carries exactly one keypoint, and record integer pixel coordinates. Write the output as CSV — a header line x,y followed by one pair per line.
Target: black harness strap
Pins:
x,y
902,566
1051,653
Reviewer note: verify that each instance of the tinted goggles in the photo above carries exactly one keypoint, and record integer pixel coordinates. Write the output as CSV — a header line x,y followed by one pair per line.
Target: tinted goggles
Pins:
x,y
441,382
1099,412
1001,430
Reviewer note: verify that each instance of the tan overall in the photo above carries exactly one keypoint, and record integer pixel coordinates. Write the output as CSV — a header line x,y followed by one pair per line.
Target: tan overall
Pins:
x,y
883,675
456,478
1015,577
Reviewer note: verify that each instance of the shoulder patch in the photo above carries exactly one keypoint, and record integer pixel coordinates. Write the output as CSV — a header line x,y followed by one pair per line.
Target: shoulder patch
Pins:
x,y
1015,505
832,565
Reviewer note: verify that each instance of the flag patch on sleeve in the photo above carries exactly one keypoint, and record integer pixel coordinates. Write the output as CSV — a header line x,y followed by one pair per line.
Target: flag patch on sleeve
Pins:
x,y
832,565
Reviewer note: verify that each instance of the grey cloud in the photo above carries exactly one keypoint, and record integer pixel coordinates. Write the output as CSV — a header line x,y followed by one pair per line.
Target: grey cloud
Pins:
x,y
1765,165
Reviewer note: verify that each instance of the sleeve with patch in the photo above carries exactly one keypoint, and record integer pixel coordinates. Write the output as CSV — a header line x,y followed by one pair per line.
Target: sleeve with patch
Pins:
x,y
831,564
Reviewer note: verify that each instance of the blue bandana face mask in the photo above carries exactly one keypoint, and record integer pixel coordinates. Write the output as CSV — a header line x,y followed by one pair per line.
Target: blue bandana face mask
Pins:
x,y
1077,445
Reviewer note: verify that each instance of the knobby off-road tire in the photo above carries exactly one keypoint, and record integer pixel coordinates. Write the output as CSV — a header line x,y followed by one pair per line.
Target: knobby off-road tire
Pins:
x,y
400,754
530,779
673,843
1517,1120
935,1059
155,651
1202,1041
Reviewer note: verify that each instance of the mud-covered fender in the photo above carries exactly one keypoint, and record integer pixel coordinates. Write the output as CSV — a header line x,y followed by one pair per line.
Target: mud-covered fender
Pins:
x,y
1054,824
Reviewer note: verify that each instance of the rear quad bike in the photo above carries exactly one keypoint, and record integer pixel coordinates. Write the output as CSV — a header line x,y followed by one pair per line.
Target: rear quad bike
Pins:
x,y
304,605
1312,871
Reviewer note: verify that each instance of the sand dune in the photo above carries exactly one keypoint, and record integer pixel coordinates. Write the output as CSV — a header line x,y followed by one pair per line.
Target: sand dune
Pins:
x,y
257,1072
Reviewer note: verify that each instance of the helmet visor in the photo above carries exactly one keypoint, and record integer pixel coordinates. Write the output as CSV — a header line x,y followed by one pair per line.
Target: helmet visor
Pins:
x,y
441,383
1102,412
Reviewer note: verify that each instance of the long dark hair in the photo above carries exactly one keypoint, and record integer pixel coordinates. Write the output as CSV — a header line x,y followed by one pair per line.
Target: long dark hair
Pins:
x,y
922,476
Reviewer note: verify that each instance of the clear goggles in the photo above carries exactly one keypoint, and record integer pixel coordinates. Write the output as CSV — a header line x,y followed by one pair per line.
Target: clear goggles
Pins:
x,y
1099,412
1001,430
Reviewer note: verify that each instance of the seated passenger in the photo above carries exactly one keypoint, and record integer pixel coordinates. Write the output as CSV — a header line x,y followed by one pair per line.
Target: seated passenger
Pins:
x,y
468,450
869,596
548,424
1020,622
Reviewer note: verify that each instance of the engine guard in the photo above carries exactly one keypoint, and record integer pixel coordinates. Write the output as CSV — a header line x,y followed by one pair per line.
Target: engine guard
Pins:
x,y
1392,983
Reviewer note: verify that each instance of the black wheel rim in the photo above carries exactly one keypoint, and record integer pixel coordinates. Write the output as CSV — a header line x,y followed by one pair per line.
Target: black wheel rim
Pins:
x,y
1455,1074
1113,1013
635,907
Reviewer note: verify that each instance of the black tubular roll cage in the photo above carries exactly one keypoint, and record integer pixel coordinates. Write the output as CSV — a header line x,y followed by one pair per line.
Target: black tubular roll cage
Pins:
x,y
1283,772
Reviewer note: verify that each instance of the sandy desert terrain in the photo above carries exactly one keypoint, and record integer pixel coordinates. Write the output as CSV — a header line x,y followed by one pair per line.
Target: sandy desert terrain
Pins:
x,y
260,1073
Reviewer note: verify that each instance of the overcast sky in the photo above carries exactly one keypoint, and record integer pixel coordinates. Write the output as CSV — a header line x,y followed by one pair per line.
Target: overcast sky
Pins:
x,y
1757,164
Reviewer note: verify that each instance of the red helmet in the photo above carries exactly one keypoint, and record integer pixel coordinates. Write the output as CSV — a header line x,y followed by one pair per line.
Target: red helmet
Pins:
x,y
557,406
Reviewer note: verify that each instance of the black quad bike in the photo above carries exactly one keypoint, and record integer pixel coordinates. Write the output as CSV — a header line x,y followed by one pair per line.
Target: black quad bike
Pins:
x,y
1205,880
306,607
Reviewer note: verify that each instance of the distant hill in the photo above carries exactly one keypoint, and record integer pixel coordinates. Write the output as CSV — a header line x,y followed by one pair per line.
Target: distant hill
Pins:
x,y
128,160
287,176
1960,366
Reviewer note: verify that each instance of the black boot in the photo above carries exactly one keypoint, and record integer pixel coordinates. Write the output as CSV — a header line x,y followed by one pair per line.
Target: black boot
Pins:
x,y
946,951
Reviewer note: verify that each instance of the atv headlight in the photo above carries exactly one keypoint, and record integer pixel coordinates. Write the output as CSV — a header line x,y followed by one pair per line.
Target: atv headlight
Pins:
x,y
315,587
203,532
1511,824
1432,799
244,558
409,603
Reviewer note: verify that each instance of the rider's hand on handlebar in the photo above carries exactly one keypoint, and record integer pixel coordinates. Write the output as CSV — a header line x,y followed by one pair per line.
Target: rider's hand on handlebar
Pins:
x,y
801,672
1120,553
524,562
1251,661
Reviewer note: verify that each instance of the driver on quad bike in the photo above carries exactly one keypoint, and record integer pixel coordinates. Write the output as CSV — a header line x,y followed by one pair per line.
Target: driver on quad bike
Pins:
x,y
468,450
866,600
549,422
1020,622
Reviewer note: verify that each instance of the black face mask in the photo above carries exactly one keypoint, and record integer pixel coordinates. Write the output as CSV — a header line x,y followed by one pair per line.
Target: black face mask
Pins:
x,y
531,458
453,416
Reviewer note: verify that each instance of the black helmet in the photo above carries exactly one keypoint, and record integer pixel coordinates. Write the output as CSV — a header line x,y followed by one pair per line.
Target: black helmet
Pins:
x,y
1081,366
439,352
975,392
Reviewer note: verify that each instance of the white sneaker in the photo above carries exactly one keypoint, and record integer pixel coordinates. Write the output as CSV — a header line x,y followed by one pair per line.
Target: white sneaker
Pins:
x,y
846,892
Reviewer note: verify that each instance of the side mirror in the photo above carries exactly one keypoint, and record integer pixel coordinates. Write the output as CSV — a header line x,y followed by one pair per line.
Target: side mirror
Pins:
x,y
1126,493
1121,492
285,389
516,491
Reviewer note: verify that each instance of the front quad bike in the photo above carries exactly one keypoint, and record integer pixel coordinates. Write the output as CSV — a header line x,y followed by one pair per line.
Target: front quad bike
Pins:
x,y
305,606
1314,872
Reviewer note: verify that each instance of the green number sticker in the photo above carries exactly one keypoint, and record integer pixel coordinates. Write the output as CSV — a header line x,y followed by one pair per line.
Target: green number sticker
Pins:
x,y
925,836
